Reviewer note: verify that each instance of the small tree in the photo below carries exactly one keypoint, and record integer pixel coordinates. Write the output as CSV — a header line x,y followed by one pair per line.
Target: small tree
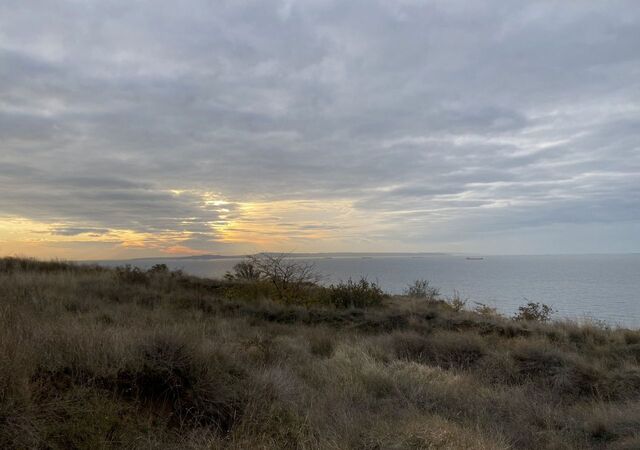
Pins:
x,y
538,312
421,289
287,275
244,271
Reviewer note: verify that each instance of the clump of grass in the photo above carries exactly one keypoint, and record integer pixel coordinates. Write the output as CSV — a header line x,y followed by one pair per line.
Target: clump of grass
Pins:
x,y
443,349
172,375
321,344
456,302
485,310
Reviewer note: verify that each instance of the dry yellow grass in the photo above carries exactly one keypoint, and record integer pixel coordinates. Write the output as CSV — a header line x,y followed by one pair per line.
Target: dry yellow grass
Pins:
x,y
96,358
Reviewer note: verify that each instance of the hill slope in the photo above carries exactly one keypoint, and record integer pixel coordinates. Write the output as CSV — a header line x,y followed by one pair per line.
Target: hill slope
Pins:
x,y
101,358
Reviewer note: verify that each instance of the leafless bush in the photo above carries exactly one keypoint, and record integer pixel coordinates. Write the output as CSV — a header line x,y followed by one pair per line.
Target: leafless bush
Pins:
x,y
287,275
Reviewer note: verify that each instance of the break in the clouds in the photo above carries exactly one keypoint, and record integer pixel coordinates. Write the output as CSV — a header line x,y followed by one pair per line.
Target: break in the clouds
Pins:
x,y
145,127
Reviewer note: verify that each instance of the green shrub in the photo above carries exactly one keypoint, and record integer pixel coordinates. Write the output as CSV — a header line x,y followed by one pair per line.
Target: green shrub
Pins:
x,y
244,271
421,289
158,269
355,294
538,312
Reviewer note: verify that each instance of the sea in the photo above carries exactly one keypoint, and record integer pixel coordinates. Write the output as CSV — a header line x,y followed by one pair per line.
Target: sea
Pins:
x,y
600,288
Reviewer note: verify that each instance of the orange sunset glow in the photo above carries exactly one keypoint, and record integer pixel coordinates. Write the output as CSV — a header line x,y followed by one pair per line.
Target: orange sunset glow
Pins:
x,y
253,226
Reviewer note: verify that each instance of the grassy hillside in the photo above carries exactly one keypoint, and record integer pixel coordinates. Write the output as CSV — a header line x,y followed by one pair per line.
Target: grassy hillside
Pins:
x,y
100,358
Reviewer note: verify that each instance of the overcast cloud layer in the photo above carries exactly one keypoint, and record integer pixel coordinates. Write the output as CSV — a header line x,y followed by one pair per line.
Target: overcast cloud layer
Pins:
x,y
491,126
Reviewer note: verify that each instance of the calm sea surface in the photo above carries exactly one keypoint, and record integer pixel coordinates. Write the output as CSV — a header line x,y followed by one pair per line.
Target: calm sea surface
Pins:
x,y
604,287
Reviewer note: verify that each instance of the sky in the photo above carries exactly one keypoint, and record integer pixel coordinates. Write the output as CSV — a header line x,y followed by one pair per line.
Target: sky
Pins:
x,y
158,128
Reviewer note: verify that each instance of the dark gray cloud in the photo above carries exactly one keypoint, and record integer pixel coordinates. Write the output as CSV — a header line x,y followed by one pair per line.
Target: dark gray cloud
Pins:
x,y
440,120
77,231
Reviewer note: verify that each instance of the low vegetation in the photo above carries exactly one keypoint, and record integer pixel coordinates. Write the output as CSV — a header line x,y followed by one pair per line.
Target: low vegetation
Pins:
x,y
123,358
422,289
534,311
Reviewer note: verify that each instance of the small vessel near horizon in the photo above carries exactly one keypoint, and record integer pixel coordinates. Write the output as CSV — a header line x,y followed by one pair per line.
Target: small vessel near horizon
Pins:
x,y
474,258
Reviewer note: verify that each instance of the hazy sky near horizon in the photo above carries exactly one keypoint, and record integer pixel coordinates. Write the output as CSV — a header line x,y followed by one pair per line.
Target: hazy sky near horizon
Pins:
x,y
140,128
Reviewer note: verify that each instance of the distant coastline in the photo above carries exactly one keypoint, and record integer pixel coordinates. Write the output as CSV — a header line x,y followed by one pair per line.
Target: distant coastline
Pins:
x,y
298,255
